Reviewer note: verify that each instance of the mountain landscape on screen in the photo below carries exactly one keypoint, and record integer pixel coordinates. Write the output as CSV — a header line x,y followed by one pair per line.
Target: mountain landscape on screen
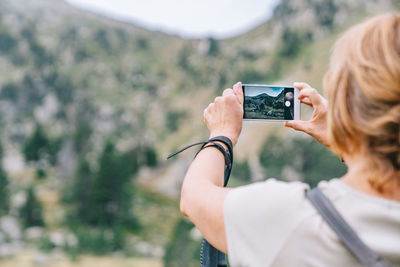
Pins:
x,y
268,106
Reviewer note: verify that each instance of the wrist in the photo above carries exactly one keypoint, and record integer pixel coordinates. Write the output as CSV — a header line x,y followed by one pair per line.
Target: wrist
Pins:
x,y
219,142
230,136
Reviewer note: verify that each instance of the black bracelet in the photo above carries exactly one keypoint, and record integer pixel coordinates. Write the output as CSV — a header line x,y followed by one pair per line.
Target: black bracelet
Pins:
x,y
228,154
217,146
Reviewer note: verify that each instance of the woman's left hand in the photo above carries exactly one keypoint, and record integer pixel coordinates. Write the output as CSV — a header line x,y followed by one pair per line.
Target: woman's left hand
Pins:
x,y
225,115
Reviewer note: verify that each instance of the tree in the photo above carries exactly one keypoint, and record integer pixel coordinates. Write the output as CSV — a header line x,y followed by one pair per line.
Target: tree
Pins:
x,y
102,199
82,136
36,145
10,92
213,48
102,38
61,85
7,41
183,58
182,250
4,193
142,43
317,162
173,120
81,190
31,212
306,156
241,170
151,157
293,42
111,194
325,12
250,74
39,146
274,156
40,54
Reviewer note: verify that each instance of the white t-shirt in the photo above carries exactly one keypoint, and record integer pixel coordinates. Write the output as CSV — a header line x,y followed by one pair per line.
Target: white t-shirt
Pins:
x,y
272,223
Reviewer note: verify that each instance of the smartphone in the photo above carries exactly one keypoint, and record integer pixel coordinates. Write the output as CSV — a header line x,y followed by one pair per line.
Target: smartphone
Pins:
x,y
270,102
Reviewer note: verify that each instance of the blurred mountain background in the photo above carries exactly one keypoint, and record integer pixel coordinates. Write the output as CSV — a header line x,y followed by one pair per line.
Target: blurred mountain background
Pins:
x,y
90,107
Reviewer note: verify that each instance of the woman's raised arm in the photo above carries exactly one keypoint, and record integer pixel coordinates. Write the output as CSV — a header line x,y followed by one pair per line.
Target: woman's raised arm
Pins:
x,y
203,194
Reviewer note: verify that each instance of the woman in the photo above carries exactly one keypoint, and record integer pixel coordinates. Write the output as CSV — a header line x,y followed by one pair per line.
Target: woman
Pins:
x,y
272,223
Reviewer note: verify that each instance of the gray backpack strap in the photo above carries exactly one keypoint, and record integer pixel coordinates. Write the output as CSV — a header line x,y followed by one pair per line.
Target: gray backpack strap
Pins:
x,y
350,239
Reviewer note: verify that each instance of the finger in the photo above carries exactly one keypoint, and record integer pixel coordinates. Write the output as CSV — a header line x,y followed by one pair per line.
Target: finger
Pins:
x,y
218,99
205,112
231,99
306,101
227,91
238,90
208,109
301,85
298,125
311,94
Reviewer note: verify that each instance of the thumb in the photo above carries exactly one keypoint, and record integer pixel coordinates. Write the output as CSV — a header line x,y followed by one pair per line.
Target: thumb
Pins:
x,y
301,85
237,89
298,125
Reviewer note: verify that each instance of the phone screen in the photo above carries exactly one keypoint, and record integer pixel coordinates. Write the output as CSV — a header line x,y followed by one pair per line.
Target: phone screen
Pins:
x,y
268,102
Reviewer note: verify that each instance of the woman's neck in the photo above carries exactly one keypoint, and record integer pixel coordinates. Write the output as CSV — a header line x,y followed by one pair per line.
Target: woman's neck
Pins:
x,y
358,179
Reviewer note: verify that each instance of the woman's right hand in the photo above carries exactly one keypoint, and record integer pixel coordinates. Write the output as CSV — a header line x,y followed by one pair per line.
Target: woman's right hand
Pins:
x,y
317,125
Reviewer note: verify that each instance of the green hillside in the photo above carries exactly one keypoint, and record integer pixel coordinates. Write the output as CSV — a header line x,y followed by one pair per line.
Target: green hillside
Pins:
x,y
90,107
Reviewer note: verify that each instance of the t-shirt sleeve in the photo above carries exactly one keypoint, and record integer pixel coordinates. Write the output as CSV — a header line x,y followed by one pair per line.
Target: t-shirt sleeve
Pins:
x,y
258,219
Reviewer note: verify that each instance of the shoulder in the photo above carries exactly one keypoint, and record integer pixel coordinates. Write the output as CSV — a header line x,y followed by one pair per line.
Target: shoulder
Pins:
x,y
268,196
260,217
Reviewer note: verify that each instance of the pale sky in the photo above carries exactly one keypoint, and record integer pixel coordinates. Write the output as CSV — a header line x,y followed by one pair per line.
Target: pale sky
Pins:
x,y
256,90
188,18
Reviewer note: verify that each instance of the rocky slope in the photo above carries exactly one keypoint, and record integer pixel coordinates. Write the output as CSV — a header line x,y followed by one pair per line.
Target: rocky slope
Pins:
x,y
70,71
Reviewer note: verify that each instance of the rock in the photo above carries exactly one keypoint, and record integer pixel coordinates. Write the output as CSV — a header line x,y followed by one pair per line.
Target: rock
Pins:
x,y
61,239
256,169
166,180
6,250
13,161
41,259
34,233
57,238
67,159
49,108
18,199
2,238
195,234
10,235
72,240
148,250
158,252
10,249
291,174
143,248
10,227
58,255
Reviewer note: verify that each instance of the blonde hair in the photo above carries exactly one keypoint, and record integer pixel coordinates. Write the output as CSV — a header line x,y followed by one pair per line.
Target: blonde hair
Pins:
x,y
363,90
